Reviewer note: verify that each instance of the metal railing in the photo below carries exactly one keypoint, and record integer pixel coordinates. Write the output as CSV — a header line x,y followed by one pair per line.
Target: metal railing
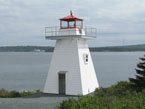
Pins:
x,y
55,31
52,31
90,31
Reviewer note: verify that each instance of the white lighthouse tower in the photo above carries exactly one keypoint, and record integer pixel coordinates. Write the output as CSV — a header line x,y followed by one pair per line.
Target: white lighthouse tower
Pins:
x,y
71,71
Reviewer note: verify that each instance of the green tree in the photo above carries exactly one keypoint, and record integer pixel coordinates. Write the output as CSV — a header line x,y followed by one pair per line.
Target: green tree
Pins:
x,y
139,81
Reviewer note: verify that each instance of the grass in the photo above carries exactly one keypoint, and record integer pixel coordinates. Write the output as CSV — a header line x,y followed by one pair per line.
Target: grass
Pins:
x,y
122,95
13,94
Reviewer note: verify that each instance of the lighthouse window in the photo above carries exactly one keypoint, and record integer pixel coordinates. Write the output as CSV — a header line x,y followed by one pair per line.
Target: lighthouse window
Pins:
x,y
78,23
71,24
86,58
64,24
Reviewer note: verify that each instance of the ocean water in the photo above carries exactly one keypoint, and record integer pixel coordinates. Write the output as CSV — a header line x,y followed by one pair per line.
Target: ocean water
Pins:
x,y
28,70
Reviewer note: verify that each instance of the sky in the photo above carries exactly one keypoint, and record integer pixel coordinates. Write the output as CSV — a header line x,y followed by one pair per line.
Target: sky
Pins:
x,y
118,22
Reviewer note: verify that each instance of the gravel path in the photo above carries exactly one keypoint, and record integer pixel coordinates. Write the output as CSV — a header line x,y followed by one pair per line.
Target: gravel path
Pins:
x,y
37,101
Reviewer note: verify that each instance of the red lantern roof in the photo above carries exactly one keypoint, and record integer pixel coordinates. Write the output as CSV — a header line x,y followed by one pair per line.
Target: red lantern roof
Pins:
x,y
71,17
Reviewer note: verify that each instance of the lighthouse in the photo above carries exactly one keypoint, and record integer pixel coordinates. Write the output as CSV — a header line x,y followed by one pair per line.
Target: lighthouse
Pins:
x,y
71,71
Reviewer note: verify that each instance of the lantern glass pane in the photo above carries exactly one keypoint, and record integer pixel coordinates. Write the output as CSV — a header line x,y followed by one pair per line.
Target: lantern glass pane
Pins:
x,y
78,23
64,24
71,24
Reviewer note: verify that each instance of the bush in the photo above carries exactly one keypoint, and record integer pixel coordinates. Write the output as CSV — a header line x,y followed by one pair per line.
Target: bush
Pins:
x,y
119,96
3,93
122,88
12,94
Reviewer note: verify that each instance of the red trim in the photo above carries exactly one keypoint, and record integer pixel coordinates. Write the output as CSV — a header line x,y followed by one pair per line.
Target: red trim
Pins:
x,y
75,23
60,24
67,24
70,17
82,24
81,27
70,27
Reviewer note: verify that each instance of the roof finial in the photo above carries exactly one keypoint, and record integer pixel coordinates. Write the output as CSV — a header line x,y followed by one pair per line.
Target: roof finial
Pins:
x,y
71,12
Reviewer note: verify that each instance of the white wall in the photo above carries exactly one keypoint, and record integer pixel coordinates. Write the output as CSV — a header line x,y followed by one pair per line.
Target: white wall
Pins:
x,y
65,58
68,56
88,74
74,31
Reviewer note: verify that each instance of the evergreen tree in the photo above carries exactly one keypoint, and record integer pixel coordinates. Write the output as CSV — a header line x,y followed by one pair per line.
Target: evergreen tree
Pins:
x,y
139,82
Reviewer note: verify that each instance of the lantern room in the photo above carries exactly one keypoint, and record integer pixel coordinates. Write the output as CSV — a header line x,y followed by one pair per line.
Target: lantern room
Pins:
x,y
70,22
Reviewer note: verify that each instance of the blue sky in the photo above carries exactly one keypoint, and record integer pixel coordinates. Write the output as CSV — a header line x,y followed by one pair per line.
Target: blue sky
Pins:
x,y
118,22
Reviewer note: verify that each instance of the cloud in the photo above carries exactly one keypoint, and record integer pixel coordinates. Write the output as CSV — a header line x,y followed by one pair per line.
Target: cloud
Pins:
x,y
25,19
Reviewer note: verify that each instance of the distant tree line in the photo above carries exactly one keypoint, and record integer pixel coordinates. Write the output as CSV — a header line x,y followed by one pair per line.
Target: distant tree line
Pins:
x,y
51,49
140,47
26,48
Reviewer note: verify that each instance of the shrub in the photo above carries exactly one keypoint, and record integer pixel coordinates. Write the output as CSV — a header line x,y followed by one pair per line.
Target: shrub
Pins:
x,y
12,94
122,88
119,96
3,93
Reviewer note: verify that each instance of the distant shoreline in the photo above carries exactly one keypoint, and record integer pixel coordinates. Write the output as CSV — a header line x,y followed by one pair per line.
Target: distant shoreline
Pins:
x,y
129,48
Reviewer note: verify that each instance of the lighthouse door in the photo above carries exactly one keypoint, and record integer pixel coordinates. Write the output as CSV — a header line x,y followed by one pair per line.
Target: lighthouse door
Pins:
x,y
62,84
